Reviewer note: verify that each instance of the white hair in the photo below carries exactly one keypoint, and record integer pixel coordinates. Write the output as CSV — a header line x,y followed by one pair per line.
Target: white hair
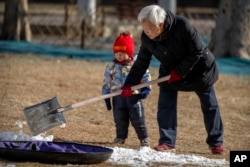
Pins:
x,y
154,13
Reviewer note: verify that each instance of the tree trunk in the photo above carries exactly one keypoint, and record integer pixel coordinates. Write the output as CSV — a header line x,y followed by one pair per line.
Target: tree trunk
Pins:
x,y
231,36
16,25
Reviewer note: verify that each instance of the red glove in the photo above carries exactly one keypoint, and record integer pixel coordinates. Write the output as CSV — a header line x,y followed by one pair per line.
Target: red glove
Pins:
x,y
173,77
126,91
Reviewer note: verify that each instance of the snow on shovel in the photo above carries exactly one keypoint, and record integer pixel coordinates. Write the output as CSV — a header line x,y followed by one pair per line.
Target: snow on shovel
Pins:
x,y
48,114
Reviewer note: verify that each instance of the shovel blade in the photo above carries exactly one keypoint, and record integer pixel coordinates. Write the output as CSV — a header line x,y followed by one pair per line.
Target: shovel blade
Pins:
x,y
43,116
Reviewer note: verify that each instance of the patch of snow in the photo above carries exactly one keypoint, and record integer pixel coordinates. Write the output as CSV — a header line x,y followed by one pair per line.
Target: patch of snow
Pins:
x,y
20,123
145,156
20,136
142,157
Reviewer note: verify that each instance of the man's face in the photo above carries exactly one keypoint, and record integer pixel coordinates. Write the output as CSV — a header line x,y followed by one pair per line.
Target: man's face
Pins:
x,y
151,30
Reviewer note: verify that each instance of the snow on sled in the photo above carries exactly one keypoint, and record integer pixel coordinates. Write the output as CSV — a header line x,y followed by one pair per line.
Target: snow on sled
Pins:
x,y
53,152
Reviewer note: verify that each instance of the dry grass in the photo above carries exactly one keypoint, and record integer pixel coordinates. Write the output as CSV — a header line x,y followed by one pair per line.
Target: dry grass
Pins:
x,y
29,79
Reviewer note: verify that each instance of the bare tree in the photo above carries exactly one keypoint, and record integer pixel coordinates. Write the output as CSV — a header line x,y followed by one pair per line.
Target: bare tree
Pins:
x,y
231,36
16,25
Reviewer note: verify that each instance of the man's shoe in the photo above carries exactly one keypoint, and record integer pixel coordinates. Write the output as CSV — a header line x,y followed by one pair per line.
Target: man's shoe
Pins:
x,y
164,148
217,149
119,141
145,142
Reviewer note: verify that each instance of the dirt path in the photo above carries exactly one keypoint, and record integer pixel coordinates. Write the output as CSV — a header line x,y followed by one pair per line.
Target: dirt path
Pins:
x,y
29,79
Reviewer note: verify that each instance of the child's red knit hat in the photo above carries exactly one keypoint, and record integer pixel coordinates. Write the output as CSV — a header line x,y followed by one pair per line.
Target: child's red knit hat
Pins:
x,y
124,43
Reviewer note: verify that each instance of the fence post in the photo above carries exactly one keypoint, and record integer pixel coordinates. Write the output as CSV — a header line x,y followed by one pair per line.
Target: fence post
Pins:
x,y
66,18
83,33
87,10
168,4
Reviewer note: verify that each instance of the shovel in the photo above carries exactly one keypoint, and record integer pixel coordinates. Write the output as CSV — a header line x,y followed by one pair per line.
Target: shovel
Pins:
x,y
48,114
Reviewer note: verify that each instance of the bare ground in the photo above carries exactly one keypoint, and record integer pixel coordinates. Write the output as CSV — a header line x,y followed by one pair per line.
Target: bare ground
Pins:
x,y
27,79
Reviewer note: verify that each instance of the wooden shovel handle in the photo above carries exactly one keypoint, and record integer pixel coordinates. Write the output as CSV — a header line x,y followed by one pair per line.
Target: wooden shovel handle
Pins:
x,y
76,105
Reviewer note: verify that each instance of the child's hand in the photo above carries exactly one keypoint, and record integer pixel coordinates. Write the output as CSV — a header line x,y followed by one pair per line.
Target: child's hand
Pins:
x,y
108,104
126,91
145,92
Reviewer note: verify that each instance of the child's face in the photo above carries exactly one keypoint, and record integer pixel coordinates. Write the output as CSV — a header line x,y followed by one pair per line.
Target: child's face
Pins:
x,y
121,56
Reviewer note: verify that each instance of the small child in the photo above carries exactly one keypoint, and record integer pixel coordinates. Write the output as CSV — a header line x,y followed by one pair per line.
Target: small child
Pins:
x,y
128,108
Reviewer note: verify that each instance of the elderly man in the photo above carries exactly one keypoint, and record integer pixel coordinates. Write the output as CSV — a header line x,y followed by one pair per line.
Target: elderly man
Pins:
x,y
177,46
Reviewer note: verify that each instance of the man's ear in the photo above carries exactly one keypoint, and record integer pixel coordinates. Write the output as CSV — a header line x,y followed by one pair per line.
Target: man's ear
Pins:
x,y
161,25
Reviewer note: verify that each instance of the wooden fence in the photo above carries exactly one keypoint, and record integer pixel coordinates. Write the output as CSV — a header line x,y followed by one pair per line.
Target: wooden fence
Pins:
x,y
59,24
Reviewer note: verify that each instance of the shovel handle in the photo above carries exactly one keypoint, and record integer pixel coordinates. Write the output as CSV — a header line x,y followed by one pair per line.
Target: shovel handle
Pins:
x,y
88,101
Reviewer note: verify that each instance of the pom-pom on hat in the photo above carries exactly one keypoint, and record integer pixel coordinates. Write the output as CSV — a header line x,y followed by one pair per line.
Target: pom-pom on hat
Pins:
x,y
124,43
